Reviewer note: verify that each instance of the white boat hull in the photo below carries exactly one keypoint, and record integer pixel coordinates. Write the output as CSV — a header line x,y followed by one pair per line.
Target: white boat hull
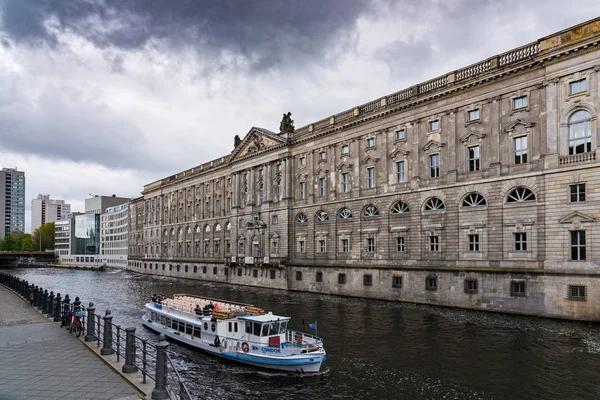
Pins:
x,y
305,362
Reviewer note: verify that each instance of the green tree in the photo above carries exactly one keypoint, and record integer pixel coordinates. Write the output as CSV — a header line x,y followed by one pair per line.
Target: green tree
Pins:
x,y
8,244
27,244
45,233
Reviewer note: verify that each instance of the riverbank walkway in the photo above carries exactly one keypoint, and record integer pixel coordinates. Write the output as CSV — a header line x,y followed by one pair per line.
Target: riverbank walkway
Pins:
x,y
39,360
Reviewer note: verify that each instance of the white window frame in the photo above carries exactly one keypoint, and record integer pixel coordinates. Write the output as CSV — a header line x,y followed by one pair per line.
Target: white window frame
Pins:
x,y
400,178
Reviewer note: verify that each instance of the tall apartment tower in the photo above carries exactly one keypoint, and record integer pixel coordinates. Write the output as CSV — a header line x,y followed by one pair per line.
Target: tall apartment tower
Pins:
x,y
44,210
12,201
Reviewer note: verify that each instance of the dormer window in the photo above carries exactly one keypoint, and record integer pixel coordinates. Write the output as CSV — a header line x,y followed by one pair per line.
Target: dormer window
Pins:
x,y
579,86
473,115
434,125
520,102
400,134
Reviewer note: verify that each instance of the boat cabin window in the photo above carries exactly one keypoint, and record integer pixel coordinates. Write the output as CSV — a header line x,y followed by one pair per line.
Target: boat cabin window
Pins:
x,y
265,330
249,327
283,327
273,328
168,322
256,329
181,327
188,329
205,326
233,327
213,327
197,332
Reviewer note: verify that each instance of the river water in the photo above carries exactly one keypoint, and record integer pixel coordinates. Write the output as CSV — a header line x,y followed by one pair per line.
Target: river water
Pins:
x,y
375,349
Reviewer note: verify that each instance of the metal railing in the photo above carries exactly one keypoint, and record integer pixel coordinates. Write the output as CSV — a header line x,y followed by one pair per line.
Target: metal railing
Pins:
x,y
151,360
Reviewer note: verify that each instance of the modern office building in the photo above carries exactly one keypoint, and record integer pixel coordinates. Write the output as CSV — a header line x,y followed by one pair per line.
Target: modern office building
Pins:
x,y
114,228
84,232
12,202
478,189
44,210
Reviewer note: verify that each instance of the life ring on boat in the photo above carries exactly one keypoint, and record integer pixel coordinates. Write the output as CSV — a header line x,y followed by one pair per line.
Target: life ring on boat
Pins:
x,y
224,343
245,347
217,341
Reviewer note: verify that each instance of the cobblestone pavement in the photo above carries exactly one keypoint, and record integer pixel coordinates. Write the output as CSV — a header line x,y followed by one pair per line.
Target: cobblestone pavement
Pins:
x,y
39,360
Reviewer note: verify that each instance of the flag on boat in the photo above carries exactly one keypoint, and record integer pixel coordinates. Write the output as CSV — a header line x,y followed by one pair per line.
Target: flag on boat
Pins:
x,y
313,325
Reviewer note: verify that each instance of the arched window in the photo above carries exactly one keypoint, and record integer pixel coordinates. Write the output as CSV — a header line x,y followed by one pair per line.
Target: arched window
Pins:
x,y
371,211
207,228
520,195
322,216
172,231
180,231
261,193
434,204
218,228
580,132
400,207
345,213
473,200
188,230
301,218
197,229
278,190
228,226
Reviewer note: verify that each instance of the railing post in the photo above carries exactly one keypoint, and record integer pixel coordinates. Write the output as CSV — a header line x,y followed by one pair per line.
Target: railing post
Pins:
x,y
66,306
57,306
44,301
91,320
31,298
129,365
160,387
50,304
36,293
107,343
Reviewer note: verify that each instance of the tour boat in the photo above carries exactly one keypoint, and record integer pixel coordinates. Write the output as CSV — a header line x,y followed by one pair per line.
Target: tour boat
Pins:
x,y
236,331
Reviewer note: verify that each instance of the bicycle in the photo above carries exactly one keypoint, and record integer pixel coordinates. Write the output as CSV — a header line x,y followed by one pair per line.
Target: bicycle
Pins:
x,y
76,324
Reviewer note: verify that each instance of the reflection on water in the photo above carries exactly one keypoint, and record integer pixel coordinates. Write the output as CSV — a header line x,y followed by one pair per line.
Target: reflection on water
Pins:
x,y
376,349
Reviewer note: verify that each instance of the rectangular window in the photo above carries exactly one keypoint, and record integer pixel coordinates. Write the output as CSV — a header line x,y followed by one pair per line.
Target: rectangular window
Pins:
x,y
434,243
301,246
520,150
473,242
203,269
474,156
370,245
323,156
345,149
431,283
255,273
345,245
275,250
400,244
400,172
578,86
322,186
397,281
272,274
214,270
371,177
578,246
473,115
239,272
400,134
274,219
341,278
577,292
367,280
521,241
302,161
321,246
434,163
519,102
319,277
302,190
345,182
434,125
517,288
298,275
371,142
577,193
470,285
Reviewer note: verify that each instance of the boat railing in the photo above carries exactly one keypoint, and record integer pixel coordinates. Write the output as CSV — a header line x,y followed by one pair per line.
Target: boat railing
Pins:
x,y
292,336
285,348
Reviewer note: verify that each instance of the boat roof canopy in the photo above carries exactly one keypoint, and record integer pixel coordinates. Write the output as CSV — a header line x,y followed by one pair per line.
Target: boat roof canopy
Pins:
x,y
264,318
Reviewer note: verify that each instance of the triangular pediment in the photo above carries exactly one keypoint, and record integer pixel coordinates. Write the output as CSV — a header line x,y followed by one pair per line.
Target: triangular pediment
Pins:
x,y
517,125
343,165
576,216
399,152
433,145
257,141
472,134
370,159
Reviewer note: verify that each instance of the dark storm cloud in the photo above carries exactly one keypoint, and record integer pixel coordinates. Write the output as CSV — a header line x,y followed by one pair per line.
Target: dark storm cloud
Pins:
x,y
266,31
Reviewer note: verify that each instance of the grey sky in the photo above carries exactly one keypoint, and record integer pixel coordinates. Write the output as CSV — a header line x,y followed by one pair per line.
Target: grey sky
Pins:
x,y
103,96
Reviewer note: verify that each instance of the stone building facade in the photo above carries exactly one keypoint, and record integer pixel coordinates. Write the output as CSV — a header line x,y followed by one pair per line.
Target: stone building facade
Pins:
x,y
477,189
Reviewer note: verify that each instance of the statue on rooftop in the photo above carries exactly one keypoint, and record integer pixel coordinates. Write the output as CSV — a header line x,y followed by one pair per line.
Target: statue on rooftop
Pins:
x,y
236,141
287,123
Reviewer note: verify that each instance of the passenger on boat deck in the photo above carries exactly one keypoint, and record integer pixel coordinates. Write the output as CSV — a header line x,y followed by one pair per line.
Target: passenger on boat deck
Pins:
x,y
198,310
211,306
